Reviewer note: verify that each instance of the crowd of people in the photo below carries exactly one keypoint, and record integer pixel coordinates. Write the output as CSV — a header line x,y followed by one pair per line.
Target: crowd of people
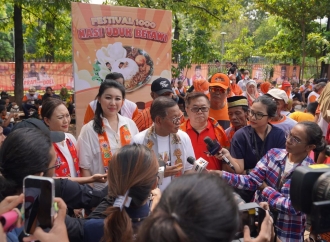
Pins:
x,y
107,180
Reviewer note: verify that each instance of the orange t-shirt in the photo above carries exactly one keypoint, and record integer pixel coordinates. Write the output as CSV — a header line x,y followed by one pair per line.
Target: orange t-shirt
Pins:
x,y
236,89
201,85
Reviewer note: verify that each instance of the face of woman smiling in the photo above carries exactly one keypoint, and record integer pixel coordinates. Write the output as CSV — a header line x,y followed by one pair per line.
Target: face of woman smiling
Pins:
x,y
60,119
111,101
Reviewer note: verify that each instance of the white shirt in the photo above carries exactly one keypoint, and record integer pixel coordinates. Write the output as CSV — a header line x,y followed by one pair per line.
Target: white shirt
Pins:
x,y
88,146
163,148
242,84
127,110
312,94
63,147
286,124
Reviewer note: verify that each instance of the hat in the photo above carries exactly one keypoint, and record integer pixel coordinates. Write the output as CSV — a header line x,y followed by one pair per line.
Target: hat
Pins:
x,y
286,84
55,136
253,82
237,101
220,80
278,94
161,85
264,87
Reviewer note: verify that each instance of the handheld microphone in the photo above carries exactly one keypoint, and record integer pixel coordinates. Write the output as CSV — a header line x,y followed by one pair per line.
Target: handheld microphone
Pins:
x,y
213,148
161,171
199,165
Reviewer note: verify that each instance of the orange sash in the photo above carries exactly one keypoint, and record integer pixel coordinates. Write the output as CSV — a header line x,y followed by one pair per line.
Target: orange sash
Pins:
x,y
106,154
64,170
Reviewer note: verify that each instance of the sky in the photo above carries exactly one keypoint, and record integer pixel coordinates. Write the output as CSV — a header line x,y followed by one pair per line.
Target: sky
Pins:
x,y
96,1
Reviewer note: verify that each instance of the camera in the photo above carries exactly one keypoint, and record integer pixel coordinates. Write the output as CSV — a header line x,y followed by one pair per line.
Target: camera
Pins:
x,y
250,214
310,193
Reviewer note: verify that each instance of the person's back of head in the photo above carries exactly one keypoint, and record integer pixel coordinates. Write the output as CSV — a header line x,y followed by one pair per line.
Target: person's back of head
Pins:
x,y
311,107
25,151
188,212
132,170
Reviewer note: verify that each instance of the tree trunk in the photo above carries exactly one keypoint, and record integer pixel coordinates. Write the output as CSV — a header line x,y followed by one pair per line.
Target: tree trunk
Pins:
x,y
50,29
19,54
176,28
303,50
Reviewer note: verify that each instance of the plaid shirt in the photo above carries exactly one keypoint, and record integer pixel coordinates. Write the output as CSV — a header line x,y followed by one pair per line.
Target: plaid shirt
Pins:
x,y
290,223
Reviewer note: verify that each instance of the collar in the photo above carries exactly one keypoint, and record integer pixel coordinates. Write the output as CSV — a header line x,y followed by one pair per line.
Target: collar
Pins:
x,y
121,121
208,126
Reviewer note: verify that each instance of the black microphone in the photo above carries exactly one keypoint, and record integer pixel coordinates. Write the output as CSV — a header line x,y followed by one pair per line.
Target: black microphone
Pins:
x,y
199,165
213,148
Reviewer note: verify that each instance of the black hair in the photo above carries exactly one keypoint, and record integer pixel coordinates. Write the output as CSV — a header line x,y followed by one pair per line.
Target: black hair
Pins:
x,y
194,95
242,70
232,70
97,126
2,102
269,102
311,107
107,63
2,107
314,135
49,88
114,76
39,102
49,105
198,67
25,151
189,212
32,64
216,61
159,107
42,67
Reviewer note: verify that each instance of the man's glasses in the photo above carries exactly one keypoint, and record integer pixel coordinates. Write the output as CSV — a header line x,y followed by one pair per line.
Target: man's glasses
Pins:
x,y
176,120
257,116
52,167
217,89
293,140
196,109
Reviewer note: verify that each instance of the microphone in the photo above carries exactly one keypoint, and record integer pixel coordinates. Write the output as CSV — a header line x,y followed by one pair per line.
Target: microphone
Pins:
x,y
213,148
161,171
199,165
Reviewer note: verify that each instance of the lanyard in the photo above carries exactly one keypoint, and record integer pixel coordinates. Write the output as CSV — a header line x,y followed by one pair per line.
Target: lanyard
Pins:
x,y
256,145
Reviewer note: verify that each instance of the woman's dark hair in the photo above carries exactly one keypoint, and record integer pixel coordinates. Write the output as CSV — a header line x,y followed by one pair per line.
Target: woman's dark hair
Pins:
x,y
189,212
25,151
159,107
314,135
97,126
133,168
269,102
49,105
49,88
114,76
232,70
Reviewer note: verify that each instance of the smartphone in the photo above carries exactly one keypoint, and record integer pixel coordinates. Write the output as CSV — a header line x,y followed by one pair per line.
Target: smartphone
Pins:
x,y
39,195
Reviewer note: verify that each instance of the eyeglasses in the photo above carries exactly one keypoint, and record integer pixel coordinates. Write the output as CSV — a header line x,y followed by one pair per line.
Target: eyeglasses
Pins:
x,y
52,167
293,140
257,116
176,120
196,109
217,89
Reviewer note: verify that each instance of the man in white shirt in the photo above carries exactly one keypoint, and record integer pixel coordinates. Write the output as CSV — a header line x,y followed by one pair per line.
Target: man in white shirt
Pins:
x,y
242,83
170,144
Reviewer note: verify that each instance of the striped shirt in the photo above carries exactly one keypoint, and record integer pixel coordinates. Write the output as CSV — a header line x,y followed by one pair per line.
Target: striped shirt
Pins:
x,y
290,223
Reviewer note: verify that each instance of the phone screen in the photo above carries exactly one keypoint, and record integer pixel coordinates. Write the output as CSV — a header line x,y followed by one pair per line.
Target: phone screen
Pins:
x,y
38,203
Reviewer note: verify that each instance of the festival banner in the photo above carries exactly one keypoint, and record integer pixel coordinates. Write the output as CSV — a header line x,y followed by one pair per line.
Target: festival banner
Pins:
x,y
133,41
37,74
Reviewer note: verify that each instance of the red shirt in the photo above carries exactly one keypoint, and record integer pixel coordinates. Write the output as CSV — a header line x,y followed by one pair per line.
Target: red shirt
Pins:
x,y
199,146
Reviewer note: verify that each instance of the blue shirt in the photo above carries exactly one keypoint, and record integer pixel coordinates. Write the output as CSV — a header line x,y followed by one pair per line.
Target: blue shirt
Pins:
x,y
243,146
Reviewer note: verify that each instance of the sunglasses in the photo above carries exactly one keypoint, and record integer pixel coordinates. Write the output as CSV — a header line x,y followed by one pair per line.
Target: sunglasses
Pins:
x,y
217,89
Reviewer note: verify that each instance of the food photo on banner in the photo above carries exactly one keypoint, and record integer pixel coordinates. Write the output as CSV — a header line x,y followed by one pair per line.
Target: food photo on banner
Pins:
x,y
135,42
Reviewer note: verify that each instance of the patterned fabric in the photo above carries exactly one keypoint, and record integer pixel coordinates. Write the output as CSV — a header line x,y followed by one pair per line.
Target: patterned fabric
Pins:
x,y
230,133
290,223
64,170
106,154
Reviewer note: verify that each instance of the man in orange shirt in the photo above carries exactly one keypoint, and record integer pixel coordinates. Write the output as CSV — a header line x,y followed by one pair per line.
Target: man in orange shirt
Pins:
x,y
200,125
219,90
29,101
159,87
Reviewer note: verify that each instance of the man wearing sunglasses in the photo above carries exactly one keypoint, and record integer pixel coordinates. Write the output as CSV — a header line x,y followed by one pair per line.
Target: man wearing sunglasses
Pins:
x,y
200,125
171,145
219,90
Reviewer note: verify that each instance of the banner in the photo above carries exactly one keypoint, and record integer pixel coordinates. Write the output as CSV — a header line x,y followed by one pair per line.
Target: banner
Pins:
x,y
286,73
133,41
37,74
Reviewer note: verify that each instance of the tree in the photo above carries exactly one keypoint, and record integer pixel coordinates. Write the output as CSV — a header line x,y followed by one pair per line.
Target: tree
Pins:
x,y
298,14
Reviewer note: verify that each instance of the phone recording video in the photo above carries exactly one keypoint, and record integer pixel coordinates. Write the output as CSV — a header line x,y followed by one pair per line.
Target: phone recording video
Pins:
x,y
38,203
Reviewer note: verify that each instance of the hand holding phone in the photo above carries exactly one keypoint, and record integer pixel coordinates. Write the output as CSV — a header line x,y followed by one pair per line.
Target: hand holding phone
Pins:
x,y
38,203
58,232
